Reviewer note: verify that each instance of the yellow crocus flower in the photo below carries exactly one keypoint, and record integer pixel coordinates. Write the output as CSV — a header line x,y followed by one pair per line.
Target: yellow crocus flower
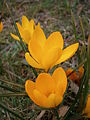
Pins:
x,y
1,26
26,30
47,91
86,111
45,53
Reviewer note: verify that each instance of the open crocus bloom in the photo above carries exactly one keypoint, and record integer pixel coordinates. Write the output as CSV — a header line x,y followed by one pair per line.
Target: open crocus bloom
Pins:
x,y
75,76
26,30
45,53
47,91
1,26
87,108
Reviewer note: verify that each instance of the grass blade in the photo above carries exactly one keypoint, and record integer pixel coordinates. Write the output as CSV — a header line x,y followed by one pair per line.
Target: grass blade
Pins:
x,y
87,82
83,49
8,88
11,111
11,83
19,94
75,33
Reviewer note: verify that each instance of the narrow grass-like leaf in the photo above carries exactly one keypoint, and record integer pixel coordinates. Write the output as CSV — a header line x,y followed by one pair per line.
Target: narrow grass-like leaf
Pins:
x,y
11,111
75,33
87,82
83,49
19,94
8,88
11,83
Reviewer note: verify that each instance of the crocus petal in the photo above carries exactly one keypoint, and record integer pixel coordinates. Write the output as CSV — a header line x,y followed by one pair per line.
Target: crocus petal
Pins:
x,y
68,52
31,61
15,37
29,87
54,100
32,26
26,36
73,76
81,72
60,79
25,22
20,29
36,43
44,84
40,98
1,26
50,56
55,40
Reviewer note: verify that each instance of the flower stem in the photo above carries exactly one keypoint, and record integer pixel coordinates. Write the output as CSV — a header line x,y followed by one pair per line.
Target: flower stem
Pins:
x,y
56,113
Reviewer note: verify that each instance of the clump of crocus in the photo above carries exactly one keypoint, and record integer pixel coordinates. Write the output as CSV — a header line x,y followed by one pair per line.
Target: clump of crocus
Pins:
x,y
86,111
76,77
1,26
26,30
45,53
47,91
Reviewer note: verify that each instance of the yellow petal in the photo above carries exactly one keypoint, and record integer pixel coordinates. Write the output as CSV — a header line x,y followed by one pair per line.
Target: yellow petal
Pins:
x,y
26,36
15,37
50,56
55,40
25,22
60,79
29,87
1,26
28,29
32,26
36,44
44,84
20,29
54,100
40,99
31,61
68,52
